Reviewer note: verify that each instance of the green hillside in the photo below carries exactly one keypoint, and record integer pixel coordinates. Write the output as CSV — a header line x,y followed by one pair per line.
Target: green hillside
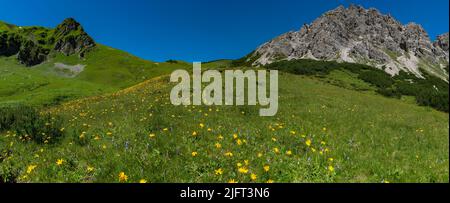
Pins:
x,y
105,70
322,133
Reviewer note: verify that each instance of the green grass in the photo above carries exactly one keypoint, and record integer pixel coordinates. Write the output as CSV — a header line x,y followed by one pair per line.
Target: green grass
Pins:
x,y
363,136
107,70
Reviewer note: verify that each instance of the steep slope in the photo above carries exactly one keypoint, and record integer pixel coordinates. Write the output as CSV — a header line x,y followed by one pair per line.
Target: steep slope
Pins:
x,y
363,36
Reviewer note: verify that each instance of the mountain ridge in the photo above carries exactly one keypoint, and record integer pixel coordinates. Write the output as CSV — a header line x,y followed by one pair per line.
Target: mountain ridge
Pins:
x,y
364,36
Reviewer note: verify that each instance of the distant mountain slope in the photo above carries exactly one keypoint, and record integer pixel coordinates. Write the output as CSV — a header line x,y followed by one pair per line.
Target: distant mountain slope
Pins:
x,y
46,66
363,36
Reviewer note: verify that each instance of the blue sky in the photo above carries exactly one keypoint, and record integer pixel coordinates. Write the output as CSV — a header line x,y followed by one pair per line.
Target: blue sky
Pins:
x,y
203,30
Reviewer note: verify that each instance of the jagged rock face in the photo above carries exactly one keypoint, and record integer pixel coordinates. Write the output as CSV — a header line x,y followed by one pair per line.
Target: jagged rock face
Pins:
x,y
363,36
442,42
72,39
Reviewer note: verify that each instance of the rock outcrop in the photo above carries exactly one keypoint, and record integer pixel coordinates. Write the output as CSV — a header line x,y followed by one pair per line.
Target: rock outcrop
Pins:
x,y
364,36
32,45
72,39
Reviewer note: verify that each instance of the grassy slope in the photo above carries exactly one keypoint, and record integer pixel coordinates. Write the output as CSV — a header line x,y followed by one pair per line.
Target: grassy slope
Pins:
x,y
370,138
106,70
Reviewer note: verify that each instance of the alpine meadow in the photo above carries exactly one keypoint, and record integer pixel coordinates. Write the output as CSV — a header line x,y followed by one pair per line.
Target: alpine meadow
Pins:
x,y
362,98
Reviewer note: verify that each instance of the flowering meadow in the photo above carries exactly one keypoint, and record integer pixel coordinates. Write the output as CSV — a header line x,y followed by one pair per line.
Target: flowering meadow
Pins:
x,y
322,133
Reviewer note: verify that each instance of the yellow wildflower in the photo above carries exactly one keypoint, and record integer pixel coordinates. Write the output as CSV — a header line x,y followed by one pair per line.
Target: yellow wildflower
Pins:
x,y
276,150
194,154
218,171
229,154
30,168
142,181
289,152
253,176
218,145
232,181
331,168
123,177
308,142
59,162
90,168
243,170
266,168
152,135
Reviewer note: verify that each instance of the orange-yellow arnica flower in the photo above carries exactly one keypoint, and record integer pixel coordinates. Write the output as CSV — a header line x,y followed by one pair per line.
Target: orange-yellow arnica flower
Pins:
x,y
194,133
123,177
253,176
152,135
142,181
266,168
232,181
90,168
219,171
194,154
289,152
243,170
202,125
308,142
218,145
59,162
230,154
30,168
269,181
235,136
276,150
331,168
239,142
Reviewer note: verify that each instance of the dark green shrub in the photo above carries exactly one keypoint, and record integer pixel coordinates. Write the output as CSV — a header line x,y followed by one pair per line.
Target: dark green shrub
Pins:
x,y
389,92
29,122
436,99
377,78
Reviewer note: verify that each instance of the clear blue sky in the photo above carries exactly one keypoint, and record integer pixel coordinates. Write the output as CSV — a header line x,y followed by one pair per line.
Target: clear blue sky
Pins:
x,y
203,30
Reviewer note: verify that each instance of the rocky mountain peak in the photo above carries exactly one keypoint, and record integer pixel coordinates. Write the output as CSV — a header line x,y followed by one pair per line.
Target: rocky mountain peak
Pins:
x,y
32,45
71,38
67,26
360,35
